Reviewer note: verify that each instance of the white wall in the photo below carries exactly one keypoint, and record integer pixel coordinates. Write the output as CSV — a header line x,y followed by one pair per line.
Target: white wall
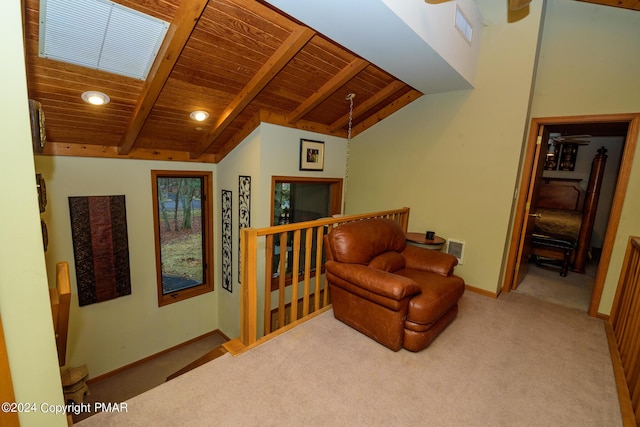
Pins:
x,y
114,333
453,157
434,23
243,160
589,65
24,294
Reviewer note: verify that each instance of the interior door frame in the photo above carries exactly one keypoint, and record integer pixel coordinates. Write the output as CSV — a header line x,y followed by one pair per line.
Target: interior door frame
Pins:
x,y
530,199
8,418
526,173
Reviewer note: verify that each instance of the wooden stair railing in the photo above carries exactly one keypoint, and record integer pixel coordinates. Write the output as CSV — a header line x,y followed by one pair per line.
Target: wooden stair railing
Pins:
x,y
60,297
623,332
7,418
308,285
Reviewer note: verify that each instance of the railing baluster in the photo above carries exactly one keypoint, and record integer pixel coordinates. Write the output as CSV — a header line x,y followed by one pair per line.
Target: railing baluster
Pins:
x,y
268,275
308,242
295,271
284,251
318,276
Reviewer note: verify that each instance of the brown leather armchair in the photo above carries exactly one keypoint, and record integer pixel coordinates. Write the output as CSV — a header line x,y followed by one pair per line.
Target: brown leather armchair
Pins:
x,y
398,295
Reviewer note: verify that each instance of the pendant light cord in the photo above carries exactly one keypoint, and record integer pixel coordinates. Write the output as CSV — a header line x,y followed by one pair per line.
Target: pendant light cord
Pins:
x,y
349,98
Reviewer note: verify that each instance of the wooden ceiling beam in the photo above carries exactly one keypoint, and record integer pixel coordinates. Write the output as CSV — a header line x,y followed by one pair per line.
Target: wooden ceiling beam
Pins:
x,y
291,46
111,152
624,4
281,120
178,34
330,87
389,90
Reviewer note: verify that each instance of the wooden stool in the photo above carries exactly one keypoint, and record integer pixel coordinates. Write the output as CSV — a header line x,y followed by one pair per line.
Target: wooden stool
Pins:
x,y
555,247
74,384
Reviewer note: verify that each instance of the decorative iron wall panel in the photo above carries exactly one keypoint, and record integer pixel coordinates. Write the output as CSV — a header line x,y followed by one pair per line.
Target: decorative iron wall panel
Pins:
x,y
227,242
244,213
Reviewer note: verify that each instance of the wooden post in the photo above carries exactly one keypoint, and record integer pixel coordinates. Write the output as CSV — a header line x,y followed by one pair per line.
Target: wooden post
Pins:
x,y
62,309
590,207
248,296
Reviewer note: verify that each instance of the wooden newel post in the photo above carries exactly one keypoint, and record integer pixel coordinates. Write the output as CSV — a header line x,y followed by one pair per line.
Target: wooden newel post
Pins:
x,y
590,207
248,289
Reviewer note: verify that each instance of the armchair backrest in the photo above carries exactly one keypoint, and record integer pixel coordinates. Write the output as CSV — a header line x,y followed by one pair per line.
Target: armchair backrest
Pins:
x,y
359,242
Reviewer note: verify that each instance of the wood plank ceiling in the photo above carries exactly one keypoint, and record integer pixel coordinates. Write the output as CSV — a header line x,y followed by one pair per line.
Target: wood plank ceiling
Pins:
x,y
239,60
624,4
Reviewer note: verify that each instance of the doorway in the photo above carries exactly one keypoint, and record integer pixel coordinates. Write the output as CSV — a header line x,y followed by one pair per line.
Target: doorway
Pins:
x,y
620,132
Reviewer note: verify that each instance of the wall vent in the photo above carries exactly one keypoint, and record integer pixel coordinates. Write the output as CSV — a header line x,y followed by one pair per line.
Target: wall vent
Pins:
x,y
456,248
100,34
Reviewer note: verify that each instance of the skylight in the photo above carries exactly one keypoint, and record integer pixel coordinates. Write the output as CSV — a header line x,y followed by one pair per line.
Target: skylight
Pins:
x,y
100,34
463,25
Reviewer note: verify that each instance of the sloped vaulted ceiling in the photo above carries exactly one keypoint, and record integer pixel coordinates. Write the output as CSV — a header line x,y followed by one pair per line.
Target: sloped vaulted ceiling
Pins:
x,y
240,60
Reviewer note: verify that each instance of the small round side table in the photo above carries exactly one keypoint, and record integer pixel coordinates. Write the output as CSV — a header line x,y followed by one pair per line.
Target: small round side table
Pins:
x,y
419,239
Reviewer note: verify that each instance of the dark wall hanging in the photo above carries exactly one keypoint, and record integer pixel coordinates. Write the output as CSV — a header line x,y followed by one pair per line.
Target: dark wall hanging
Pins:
x,y
568,157
42,203
42,192
244,213
227,255
100,247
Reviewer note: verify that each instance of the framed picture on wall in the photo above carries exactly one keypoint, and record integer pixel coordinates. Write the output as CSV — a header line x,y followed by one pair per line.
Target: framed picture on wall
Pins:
x,y
568,157
311,155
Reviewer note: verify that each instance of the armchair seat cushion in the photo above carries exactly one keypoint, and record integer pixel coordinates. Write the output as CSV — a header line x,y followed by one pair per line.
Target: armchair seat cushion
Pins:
x,y
438,294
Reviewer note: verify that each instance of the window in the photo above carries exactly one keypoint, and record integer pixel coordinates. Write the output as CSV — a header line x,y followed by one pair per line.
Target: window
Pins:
x,y
182,219
298,199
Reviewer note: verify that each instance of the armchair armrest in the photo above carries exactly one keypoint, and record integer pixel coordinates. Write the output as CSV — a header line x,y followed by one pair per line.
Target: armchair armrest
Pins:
x,y
429,260
379,282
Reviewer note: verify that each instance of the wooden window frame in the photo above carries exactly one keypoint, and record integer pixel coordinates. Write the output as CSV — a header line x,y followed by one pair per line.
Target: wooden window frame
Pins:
x,y
206,204
335,207
336,190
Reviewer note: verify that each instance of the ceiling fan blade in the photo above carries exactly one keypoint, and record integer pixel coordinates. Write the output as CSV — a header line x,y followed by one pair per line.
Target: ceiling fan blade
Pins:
x,y
577,142
571,137
562,140
577,136
518,4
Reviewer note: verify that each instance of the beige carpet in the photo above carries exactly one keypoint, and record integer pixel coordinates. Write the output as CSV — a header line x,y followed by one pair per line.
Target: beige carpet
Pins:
x,y
515,361
574,290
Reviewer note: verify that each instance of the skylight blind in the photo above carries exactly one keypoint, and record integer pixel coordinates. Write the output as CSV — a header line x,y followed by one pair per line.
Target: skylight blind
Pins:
x,y
100,34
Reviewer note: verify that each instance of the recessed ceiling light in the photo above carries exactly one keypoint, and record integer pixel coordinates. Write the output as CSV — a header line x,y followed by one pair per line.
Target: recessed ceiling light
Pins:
x,y
199,115
95,98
